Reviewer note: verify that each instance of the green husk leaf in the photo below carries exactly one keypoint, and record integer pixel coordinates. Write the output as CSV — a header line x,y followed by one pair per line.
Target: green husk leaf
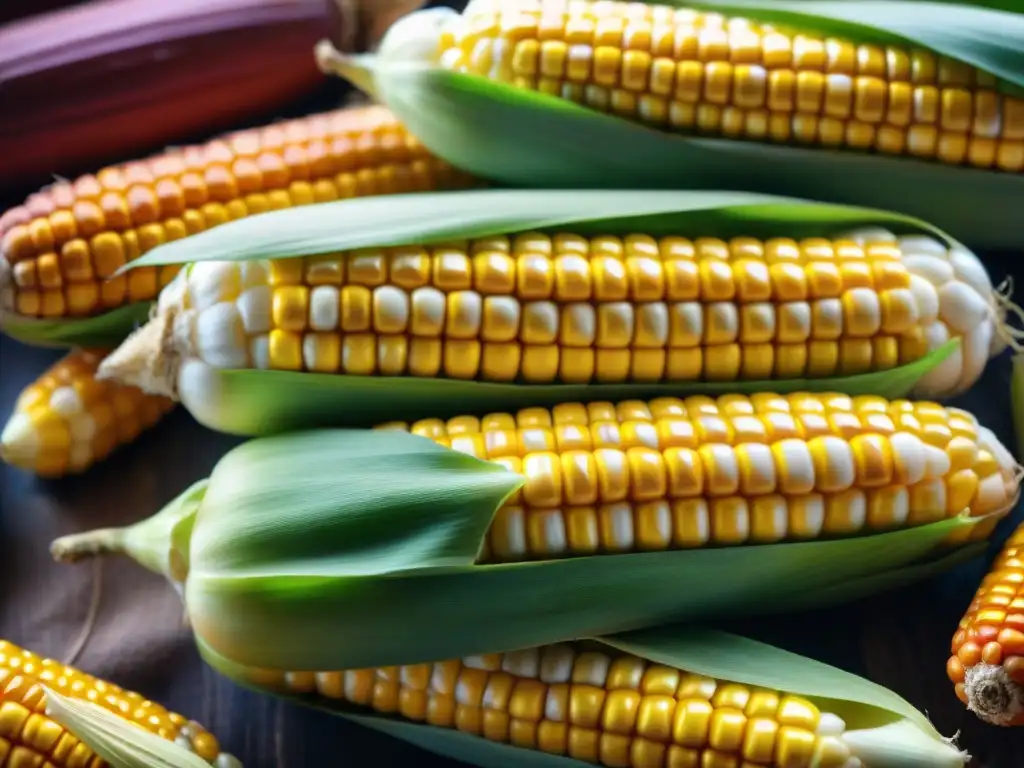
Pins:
x,y
523,138
262,402
159,543
880,717
434,217
118,741
106,330
363,544
441,612
1017,402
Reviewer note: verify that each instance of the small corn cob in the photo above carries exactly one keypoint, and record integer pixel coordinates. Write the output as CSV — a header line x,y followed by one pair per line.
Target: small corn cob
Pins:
x,y
691,71
987,661
537,308
597,706
30,739
59,251
681,473
67,420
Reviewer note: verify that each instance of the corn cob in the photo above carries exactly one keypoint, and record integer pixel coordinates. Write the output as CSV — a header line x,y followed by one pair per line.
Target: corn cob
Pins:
x,y
59,251
67,420
30,739
183,69
595,706
536,308
680,473
706,73
987,661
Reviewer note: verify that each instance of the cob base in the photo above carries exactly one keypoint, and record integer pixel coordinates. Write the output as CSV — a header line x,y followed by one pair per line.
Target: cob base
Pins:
x,y
993,695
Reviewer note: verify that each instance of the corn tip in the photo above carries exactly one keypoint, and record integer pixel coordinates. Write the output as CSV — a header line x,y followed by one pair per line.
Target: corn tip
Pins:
x,y
142,361
18,444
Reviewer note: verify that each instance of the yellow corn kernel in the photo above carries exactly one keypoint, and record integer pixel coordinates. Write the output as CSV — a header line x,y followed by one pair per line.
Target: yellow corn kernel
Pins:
x,y
68,420
29,738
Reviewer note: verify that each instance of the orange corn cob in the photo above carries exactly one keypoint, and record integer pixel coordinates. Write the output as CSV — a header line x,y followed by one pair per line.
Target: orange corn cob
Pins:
x,y
987,661
30,739
67,420
63,245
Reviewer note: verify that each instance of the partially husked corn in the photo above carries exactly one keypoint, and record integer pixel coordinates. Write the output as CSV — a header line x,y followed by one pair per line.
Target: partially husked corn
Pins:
x,y
30,739
987,661
67,420
683,473
541,308
63,246
710,74
595,705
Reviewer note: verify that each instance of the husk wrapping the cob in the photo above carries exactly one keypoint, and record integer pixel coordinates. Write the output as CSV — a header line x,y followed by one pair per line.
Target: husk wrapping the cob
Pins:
x,y
817,99
667,697
425,304
579,539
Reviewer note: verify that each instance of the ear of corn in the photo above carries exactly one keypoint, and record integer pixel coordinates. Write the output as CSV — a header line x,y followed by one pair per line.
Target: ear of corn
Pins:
x,y
666,697
30,736
549,291
576,515
987,661
67,420
742,95
61,252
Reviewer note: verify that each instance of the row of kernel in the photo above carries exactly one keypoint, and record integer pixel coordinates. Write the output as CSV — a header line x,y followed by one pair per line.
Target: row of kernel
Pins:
x,y
792,467
520,533
223,196
691,407
147,191
448,265
393,355
676,432
577,277
861,313
81,299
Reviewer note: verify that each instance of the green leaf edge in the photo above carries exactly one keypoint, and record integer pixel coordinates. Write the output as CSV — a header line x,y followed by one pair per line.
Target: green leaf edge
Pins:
x,y
343,400
104,330
387,221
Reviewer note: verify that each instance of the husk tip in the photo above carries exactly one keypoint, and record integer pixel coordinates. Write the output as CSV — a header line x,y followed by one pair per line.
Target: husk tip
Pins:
x,y
76,547
328,58
142,361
